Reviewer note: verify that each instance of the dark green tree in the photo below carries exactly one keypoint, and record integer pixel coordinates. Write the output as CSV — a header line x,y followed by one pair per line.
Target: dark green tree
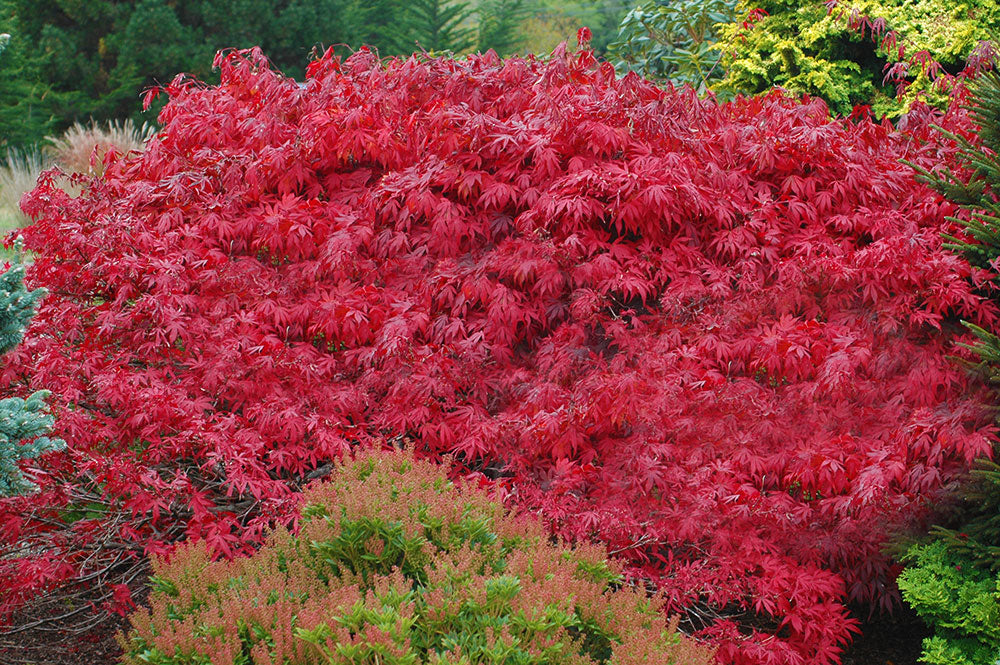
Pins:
x,y
27,110
92,60
499,21
23,422
953,580
441,25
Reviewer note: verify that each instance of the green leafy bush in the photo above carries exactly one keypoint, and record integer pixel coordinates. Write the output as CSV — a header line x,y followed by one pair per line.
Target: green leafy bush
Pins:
x,y
840,54
672,41
396,565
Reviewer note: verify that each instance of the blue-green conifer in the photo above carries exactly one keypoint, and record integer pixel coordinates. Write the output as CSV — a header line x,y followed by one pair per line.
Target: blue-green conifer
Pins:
x,y
24,423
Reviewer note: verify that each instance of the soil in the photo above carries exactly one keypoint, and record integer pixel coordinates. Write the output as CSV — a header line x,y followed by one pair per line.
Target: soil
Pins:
x,y
888,640
35,647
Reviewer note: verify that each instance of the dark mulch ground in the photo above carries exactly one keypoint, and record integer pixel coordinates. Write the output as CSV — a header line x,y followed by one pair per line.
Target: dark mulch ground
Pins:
x,y
894,640
62,643
36,647
885,641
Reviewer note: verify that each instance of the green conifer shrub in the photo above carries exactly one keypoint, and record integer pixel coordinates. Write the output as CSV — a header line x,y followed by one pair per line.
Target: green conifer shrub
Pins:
x,y
953,579
840,50
23,422
396,565
441,25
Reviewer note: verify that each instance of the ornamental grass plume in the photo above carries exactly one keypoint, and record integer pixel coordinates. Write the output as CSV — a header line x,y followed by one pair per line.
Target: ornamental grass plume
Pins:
x,y
18,175
81,148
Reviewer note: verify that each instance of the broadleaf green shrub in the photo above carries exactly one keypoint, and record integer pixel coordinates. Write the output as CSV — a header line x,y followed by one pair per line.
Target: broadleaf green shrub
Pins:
x,y
672,41
396,565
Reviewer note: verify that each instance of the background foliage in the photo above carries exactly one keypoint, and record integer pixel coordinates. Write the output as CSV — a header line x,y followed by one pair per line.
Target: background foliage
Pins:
x,y
840,52
549,22
672,41
953,579
75,61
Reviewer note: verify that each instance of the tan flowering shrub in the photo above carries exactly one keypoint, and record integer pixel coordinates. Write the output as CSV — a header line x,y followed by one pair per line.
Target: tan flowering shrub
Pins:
x,y
395,565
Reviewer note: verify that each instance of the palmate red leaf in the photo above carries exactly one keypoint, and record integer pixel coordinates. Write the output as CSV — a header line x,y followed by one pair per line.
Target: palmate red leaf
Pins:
x,y
714,337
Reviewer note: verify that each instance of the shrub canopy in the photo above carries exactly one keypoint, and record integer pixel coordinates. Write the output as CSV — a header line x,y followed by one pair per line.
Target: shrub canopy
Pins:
x,y
856,52
715,338
394,564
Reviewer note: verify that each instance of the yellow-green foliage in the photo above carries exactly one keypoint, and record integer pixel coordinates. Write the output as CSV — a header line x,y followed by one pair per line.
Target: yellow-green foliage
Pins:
x,y
395,565
805,49
961,601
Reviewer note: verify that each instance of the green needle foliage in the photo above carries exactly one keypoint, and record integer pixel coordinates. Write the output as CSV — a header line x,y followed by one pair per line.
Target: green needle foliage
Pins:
x,y
974,190
28,108
499,24
23,422
953,580
441,25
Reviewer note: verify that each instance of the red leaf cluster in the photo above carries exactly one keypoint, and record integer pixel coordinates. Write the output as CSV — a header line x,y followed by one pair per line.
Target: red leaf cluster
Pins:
x,y
714,337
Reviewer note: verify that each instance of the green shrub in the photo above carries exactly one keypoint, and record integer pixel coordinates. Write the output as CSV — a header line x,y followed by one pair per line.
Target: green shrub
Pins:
x,y
672,41
840,55
23,422
961,601
953,580
396,565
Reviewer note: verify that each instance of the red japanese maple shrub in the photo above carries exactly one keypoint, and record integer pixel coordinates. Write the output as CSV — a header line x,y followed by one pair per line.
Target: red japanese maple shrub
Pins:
x,y
713,337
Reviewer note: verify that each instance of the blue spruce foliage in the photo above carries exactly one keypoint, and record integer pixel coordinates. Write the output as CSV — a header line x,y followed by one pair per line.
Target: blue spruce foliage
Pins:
x,y
23,422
